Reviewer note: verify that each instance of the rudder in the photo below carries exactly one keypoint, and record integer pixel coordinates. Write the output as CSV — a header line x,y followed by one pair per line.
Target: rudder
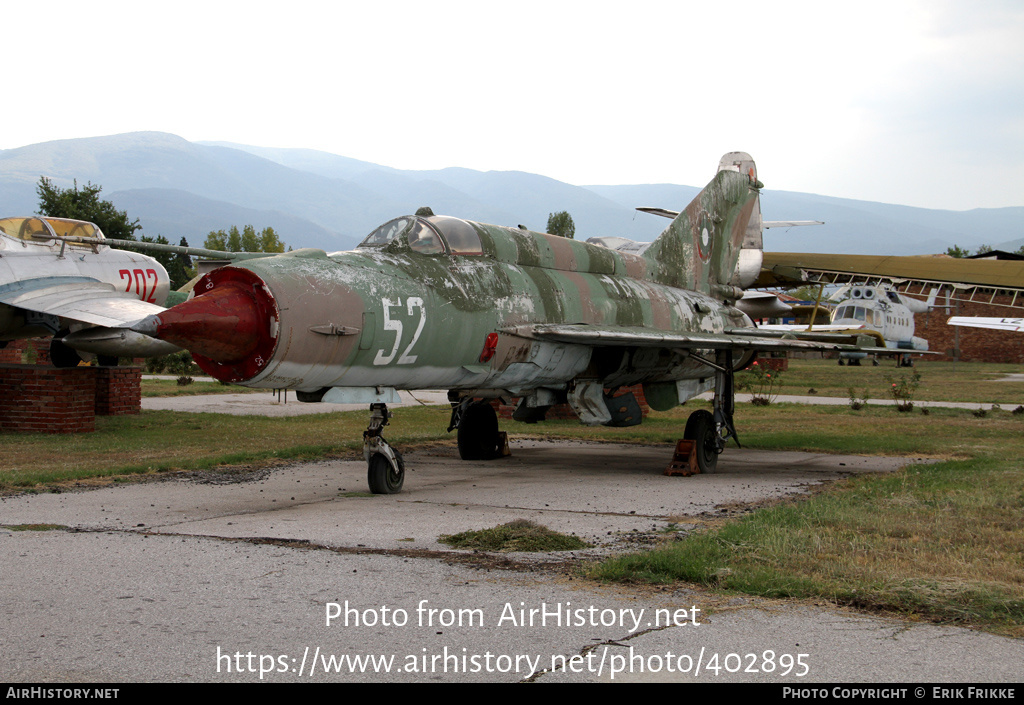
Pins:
x,y
714,245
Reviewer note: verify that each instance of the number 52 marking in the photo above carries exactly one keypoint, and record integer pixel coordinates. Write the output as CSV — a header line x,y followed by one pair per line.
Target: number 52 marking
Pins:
x,y
413,302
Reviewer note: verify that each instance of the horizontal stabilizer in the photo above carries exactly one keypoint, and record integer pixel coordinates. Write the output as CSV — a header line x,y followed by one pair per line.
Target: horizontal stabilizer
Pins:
x,y
1013,324
789,223
666,213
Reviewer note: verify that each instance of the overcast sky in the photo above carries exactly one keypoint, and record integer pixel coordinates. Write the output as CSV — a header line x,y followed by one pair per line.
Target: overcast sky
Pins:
x,y
918,103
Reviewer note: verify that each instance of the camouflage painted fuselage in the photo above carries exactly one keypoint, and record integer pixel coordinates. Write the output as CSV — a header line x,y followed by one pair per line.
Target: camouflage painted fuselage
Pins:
x,y
391,316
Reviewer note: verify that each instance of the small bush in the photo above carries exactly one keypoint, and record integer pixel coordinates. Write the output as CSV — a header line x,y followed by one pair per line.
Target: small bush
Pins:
x,y
902,390
857,402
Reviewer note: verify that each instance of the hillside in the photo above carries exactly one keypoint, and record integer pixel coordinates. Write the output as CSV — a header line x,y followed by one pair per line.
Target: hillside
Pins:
x,y
315,199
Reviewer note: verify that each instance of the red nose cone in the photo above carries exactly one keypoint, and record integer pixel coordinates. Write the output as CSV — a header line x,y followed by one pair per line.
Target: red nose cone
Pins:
x,y
229,326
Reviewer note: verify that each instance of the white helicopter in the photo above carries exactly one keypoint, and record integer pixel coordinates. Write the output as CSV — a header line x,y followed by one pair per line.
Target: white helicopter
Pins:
x,y
877,308
880,308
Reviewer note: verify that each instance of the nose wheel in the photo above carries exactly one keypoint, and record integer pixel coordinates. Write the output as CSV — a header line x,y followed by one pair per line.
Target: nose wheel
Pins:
x,y
385,471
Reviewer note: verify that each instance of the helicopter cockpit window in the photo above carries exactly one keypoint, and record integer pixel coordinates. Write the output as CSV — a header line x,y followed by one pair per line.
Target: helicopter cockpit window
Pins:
x,y
387,232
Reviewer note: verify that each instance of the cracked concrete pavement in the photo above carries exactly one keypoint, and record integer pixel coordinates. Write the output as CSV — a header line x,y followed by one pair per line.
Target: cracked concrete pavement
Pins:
x,y
231,578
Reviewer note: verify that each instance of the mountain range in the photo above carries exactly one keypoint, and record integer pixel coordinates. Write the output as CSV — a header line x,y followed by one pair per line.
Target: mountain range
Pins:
x,y
311,198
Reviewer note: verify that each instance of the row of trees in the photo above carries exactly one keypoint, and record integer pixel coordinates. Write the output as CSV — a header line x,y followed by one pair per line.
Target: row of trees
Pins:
x,y
248,240
84,203
961,252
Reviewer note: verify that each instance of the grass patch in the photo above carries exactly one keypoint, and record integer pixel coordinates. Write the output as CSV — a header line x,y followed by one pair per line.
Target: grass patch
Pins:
x,y
940,381
519,535
166,441
170,388
942,542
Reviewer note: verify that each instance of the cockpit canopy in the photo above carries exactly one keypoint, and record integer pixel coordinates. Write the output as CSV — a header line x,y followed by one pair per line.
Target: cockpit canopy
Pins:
x,y
41,229
433,235
858,313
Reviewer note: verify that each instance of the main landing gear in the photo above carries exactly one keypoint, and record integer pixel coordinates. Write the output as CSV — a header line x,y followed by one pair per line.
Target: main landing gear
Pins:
x,y
385,470
708,430
478,435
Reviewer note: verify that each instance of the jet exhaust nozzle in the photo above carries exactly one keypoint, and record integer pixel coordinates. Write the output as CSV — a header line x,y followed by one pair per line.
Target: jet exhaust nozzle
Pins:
x,y
229,326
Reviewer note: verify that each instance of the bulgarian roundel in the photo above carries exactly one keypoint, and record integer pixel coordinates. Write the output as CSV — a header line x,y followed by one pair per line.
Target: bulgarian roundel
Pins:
x,y
704,236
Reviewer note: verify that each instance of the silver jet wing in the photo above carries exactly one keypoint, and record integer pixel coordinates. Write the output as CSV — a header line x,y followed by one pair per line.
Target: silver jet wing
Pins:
x,y
102,310
85,300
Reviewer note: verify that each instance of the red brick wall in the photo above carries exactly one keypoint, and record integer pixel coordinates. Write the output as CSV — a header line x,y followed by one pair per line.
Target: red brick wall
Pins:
x,y
771,363
976,344
118,390
37,399
14,353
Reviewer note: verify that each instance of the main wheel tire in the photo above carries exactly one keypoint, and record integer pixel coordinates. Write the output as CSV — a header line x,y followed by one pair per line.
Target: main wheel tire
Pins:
x,y
700,428
478,432
61,355
382,478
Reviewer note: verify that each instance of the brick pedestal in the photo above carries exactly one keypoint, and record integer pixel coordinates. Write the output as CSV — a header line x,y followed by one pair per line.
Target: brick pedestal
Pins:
x,y
37,399
41,399
118,390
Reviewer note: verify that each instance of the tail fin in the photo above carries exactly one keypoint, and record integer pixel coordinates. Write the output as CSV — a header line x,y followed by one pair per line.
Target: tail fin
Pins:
x,y
714,245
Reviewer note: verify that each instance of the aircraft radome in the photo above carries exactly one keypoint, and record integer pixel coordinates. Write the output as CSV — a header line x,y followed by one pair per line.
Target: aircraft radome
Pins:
x,y
486,311
52,285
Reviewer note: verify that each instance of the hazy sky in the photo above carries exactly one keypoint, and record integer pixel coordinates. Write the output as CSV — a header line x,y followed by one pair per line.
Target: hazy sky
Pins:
x,y
912,102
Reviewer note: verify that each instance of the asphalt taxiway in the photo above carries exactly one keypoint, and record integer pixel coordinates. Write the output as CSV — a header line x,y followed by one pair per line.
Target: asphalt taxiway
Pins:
x,y
234,577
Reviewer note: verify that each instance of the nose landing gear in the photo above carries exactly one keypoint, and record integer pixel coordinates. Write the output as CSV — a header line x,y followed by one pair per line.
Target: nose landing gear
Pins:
x,y
385,470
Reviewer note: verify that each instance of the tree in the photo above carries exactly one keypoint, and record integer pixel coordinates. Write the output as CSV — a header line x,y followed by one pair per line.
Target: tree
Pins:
x,y
248,240
957,252
179,267
84,204
561,224
982,249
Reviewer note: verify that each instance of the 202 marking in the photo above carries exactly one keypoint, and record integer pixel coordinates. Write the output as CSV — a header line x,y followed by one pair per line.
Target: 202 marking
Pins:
x,y
139,278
